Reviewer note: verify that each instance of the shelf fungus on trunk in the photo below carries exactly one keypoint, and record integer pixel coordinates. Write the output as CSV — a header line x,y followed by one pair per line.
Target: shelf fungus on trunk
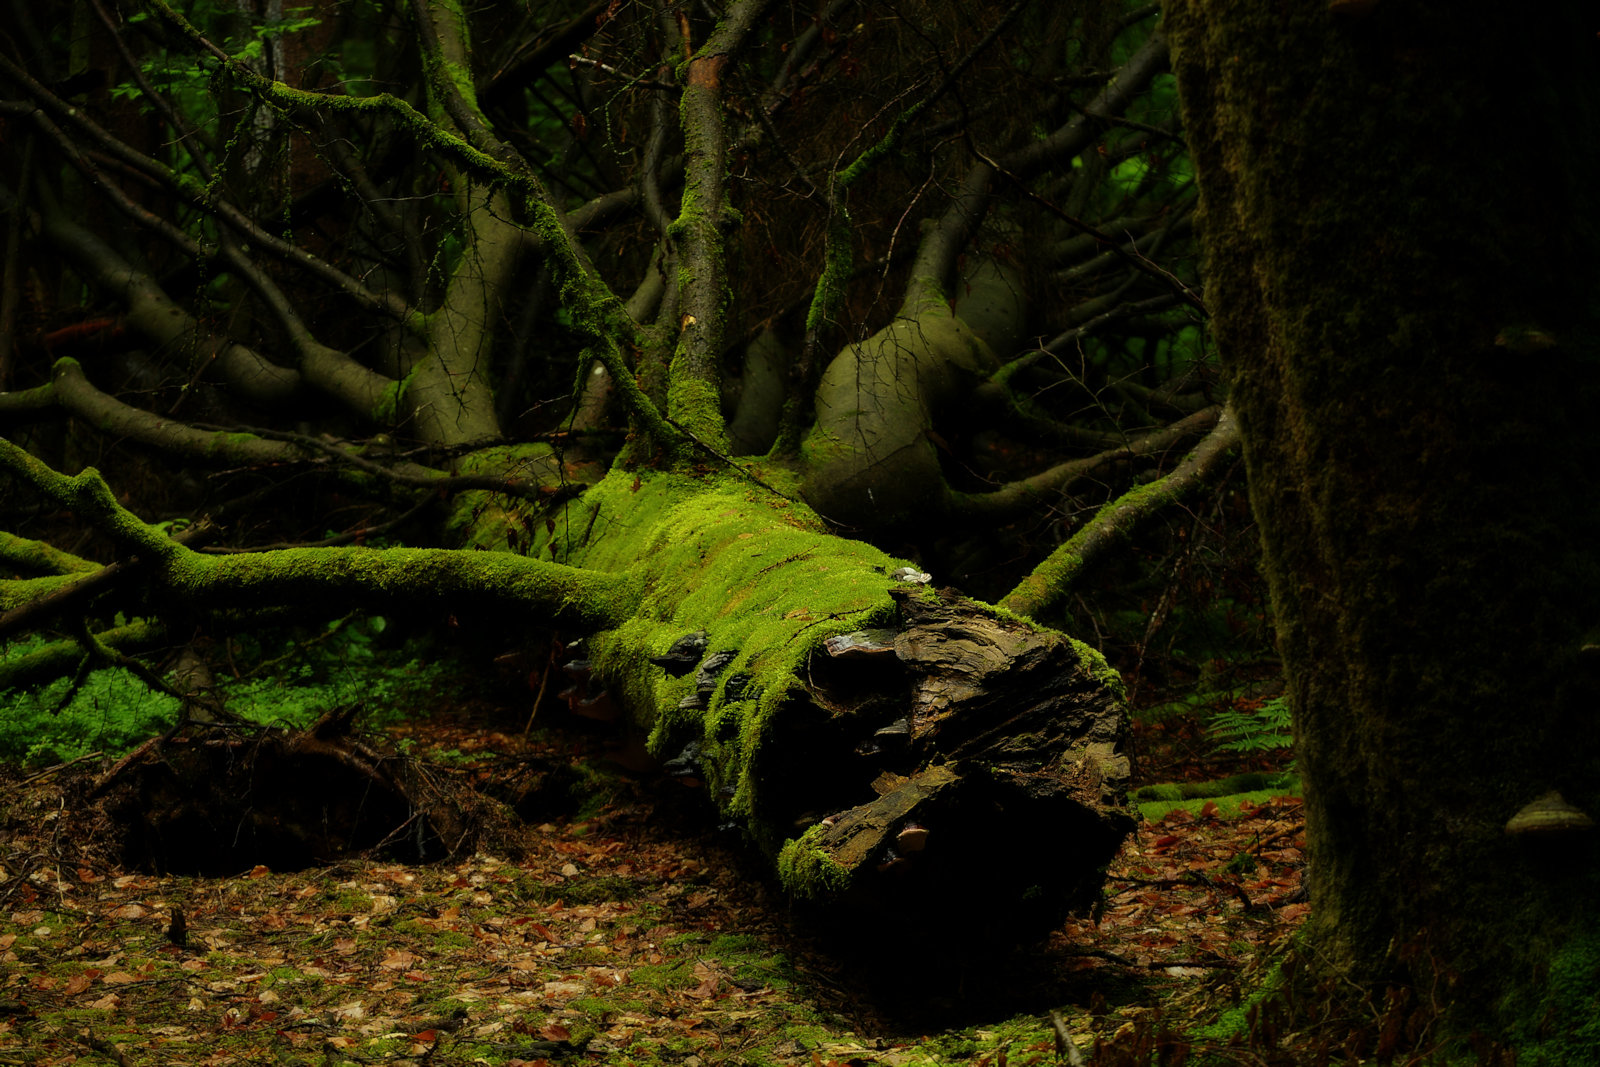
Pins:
x,y
1548,816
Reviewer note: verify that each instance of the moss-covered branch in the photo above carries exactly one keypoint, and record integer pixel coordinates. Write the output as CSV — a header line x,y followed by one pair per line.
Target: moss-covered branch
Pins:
x,y
62,657
332,577
1052,580
198,195
705,218
77,394
24,554
526,471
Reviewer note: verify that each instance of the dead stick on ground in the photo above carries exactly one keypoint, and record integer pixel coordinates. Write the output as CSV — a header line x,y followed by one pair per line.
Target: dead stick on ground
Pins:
x,y
48,771
1065,1046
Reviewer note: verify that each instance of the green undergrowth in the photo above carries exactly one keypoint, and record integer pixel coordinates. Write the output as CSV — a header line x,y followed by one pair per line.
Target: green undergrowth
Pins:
x,y
283,678
1226,804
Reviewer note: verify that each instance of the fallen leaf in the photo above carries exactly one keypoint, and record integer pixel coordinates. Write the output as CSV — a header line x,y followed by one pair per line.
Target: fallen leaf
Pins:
x,y
563,989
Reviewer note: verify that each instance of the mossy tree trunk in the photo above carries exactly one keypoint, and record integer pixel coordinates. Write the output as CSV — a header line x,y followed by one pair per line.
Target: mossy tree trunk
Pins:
x,y
1401,235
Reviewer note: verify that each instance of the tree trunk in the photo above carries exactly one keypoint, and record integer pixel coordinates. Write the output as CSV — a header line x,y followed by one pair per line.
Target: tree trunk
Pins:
x,y
1400,234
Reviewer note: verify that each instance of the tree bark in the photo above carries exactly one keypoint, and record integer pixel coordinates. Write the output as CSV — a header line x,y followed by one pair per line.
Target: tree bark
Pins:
x,y
1406,305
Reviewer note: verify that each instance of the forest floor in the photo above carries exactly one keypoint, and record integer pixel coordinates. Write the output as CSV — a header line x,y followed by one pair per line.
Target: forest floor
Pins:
x,y
631,934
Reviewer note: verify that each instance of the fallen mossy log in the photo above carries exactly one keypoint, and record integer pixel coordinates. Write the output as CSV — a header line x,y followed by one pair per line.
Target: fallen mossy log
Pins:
x,y
897,751
900,752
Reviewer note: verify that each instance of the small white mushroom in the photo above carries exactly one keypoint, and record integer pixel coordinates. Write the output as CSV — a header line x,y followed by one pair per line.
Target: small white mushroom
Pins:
x,y
910,574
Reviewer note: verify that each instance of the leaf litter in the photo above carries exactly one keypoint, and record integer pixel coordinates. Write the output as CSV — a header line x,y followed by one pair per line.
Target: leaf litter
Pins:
x,y
631,935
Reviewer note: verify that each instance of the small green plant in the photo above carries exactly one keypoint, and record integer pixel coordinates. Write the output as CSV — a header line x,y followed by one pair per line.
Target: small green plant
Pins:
x,y
1262,729
110,711
298,676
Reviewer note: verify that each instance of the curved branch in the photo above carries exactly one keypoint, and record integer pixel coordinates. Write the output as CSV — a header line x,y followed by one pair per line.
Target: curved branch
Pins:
x,y
1029,494
1078,134
1052,580
512,77
362,390
254,448
77,394
39,398
164,322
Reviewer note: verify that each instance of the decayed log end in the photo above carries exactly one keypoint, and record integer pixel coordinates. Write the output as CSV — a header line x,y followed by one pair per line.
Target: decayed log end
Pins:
x,y
979,773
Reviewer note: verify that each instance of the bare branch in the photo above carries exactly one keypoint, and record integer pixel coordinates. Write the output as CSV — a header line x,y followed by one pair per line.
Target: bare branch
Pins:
x,y
1053,579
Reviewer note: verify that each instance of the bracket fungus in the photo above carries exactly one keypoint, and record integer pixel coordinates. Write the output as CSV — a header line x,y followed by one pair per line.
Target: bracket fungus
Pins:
x,y
1546,815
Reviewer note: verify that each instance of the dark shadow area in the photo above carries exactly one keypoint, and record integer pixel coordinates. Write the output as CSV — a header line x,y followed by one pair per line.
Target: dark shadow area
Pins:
x,y
215,800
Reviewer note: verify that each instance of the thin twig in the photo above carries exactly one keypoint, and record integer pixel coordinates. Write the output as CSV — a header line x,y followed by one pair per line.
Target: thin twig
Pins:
x,y
59,767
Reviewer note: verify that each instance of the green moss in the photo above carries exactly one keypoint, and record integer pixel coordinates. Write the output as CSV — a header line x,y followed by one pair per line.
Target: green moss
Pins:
x,y
495,521
663,976
751,959
1235,1022
351,902
1237,784
1563,1025
807,871
1100,669
388,410
696,405
837,259
1227,804
760,575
